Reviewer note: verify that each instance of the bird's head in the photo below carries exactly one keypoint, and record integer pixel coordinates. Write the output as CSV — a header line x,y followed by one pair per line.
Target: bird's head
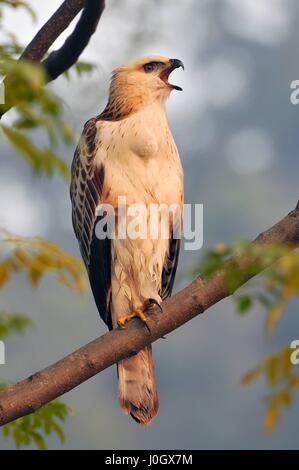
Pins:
x,y
142,81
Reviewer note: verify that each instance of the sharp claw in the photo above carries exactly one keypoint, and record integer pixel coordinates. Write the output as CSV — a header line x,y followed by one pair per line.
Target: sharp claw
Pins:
x,y
155,302
147,326
139,313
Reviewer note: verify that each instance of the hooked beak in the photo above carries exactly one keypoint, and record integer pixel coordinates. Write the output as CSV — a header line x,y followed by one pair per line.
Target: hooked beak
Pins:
x,y
174,64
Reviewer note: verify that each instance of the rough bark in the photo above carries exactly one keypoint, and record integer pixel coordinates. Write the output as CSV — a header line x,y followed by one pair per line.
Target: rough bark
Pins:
x,y
52,29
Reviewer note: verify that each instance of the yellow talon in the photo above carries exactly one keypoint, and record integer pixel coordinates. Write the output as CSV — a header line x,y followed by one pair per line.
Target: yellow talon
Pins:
x,y
140,314
137,314
123,320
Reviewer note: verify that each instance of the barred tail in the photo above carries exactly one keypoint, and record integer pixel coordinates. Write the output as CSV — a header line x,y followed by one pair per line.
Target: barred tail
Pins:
x,y
137,390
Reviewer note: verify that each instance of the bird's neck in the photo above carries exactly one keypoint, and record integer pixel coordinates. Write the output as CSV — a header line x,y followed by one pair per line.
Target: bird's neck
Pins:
x,y
116,110
128,100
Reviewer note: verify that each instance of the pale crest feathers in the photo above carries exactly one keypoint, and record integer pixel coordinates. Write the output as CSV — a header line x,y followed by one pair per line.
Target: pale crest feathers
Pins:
x,y
131,88
136,64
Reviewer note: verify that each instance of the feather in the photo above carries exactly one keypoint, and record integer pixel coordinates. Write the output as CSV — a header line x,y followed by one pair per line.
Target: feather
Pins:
x,y
128,150
86,194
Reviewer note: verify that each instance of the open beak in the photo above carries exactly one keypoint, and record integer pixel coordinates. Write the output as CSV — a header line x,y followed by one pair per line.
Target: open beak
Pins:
x,y
174,64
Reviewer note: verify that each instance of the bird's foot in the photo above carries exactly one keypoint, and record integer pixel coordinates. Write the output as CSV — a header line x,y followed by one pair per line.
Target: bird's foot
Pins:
x,y
149,304
123,320
140,313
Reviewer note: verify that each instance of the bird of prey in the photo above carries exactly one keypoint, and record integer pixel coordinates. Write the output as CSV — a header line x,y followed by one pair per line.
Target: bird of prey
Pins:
x,y
128,150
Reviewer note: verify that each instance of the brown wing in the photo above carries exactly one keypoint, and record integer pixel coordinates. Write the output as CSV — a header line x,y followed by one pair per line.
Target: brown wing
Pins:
x,y
170,267
86,194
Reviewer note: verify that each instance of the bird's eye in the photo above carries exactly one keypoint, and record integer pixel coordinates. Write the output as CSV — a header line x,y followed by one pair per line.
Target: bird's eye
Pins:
x,y
148,67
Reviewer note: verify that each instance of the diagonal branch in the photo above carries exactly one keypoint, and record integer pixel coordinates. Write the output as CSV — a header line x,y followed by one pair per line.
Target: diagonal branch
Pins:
x,y
61,60
37,390
52,29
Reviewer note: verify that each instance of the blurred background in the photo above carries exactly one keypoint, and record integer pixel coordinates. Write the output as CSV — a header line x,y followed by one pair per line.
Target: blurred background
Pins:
x,y
237,133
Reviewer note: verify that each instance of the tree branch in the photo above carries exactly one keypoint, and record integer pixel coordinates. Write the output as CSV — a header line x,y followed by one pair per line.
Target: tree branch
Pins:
x,y
61,60
52,29
30,394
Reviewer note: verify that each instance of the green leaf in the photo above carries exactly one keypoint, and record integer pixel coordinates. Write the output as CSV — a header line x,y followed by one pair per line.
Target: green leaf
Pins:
x,y
13,323
59,431
244,303
84,67
22,4
33,429
38,440
43,161
37,256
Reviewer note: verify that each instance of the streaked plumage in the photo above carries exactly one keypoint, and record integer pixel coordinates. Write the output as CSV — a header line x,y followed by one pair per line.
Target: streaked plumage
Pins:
x,y
128,150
